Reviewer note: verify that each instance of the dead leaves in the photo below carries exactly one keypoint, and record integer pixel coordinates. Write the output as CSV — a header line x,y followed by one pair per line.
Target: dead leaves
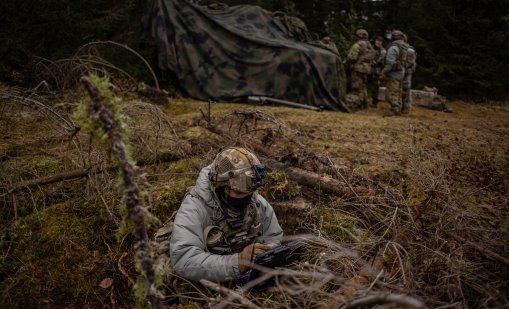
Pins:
x,y
106,283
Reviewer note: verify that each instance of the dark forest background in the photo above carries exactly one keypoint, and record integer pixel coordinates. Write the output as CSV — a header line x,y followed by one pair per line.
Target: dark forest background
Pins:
x,y
462,45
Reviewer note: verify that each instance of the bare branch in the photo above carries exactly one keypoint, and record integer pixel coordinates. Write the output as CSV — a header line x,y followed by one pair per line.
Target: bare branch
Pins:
x,y
384,298
231,295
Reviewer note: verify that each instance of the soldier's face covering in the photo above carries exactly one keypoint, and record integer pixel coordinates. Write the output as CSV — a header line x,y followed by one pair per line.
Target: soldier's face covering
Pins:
x,y
238,203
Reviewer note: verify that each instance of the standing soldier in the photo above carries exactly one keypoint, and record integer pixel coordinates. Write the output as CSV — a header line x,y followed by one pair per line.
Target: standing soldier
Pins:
x,y
360,56
376,68
326,42
394,70
410,67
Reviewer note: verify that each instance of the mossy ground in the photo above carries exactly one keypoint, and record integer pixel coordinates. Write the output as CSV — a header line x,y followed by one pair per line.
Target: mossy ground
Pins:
x,y
62,243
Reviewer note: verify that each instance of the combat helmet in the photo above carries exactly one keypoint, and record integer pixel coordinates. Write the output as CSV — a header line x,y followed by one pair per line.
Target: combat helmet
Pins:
x,y
397,35
238,169
361,34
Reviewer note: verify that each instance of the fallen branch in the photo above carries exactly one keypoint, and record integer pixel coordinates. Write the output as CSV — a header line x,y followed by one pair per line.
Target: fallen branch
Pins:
x,y
228,293
487,252
132,193
80,173
327,184
400,299
130,280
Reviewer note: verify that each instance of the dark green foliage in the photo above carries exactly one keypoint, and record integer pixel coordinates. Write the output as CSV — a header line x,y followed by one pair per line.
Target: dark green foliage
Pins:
x,y
54,29
462,45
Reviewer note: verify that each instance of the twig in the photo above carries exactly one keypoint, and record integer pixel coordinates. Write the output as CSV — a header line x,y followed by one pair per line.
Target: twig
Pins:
x,y
132,51
400,299
228,293
112,298
130,280
494,256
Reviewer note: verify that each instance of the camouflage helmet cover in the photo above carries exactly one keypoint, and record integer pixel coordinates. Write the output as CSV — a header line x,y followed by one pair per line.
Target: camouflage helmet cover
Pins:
x,y
397,35
238,169
361,33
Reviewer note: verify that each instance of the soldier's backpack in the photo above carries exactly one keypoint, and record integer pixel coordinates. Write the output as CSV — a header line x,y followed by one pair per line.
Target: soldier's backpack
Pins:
x,y
410,58
367,55
402,61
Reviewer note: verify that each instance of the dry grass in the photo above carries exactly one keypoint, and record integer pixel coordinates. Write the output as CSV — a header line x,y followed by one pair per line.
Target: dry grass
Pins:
x,y
431,177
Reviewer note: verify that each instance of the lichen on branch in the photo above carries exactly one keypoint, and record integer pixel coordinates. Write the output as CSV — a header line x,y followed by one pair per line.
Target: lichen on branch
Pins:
x,y
106,124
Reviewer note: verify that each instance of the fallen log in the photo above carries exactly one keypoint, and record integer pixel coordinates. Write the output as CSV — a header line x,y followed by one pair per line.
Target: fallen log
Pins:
x,y
306,178
80,173
323,182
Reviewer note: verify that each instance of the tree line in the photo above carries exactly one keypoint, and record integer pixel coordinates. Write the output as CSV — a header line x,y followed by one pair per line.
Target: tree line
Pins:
x,y
463,46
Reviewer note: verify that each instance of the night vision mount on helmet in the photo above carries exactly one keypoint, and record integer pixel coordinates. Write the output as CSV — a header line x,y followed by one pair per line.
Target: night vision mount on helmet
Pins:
x,y
238,169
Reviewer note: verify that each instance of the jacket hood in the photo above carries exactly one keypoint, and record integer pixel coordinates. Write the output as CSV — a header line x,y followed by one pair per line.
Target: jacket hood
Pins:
x,y
400,43
203,187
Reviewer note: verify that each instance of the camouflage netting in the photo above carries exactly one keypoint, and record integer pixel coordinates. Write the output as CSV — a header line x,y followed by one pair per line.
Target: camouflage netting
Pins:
x,y
229,53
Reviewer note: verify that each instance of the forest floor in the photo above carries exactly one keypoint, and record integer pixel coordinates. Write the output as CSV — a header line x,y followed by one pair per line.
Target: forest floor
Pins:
x,y
423,210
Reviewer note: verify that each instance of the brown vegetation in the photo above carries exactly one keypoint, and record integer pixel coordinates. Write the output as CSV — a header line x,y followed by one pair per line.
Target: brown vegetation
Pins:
x,y
406,210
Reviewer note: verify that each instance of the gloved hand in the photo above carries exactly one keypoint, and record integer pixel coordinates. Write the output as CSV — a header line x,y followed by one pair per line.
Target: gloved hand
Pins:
x,y
248,254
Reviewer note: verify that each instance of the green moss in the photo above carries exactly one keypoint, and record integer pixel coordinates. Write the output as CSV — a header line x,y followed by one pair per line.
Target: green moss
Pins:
x,y
335,225
50,259
168,200
89,122
279,186
181,166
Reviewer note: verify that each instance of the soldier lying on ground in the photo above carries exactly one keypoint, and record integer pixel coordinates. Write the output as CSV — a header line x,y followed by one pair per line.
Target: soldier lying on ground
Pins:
x,y
223,223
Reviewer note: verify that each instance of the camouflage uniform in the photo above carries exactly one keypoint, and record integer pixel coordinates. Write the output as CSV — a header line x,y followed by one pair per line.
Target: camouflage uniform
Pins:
x,y
410,66
329,46
394,71
374,77
360,56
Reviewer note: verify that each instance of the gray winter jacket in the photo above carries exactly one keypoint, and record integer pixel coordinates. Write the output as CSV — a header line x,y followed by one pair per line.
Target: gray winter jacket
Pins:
x,y
188,253
391,58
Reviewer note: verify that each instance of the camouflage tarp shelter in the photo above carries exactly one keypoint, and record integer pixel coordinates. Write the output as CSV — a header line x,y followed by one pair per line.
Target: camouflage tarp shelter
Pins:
x,y
229,53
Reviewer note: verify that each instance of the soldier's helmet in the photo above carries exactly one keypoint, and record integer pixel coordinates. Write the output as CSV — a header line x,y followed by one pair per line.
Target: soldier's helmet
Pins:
x,y
405,38
361,34
238,169
397,35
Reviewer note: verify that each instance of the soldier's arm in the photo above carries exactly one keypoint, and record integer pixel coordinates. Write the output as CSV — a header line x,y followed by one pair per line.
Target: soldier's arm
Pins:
x,y
390,59
414,63
187,247
353,53
272,233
